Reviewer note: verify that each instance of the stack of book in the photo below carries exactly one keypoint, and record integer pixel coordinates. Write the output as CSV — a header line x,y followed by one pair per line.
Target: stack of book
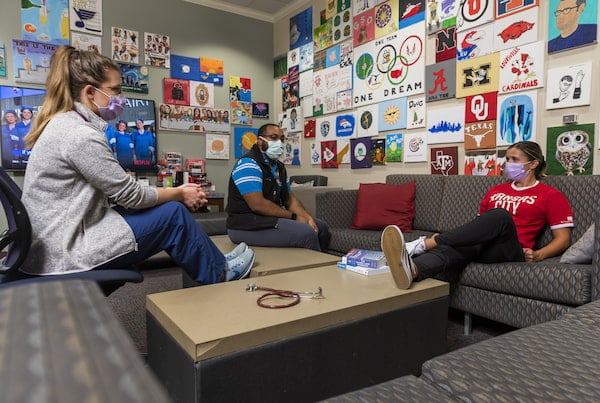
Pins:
x,y
367,262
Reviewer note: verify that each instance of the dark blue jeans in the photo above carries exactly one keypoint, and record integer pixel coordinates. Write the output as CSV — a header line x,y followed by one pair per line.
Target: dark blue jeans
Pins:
x,y
171,227
489,238
289,233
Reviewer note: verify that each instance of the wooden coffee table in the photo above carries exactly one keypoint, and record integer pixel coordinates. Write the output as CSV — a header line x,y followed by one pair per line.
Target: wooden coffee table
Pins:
x,y
215,343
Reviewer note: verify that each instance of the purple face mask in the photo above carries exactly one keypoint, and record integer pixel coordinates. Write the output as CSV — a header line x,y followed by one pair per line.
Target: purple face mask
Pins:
x,y
515,171
116,106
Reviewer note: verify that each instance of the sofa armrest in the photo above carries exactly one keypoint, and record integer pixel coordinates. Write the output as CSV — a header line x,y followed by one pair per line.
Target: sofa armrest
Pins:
x,y
595,280
337,208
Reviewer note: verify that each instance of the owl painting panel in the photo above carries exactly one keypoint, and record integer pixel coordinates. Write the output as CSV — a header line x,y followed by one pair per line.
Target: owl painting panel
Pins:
x,y
569,150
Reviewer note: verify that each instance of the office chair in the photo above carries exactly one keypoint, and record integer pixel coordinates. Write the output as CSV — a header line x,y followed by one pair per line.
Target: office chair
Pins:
x,y
17,238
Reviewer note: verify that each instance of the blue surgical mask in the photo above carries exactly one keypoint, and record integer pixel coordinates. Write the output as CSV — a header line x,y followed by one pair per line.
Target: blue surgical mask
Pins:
x,y
116,106
275,148
515,171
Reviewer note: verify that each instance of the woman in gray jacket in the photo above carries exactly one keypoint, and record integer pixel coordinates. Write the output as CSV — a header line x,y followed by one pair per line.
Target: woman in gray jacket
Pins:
x,y
86,212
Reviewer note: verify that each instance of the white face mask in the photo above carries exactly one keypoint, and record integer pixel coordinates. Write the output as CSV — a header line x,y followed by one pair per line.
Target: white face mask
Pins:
x,y
275,149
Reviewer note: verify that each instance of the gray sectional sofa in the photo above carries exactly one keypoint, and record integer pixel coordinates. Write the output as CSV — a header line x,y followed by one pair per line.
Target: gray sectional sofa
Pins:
x,y
517,294
556,361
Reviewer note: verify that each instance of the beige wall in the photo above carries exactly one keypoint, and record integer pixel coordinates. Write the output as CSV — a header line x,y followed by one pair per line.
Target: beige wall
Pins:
x,y
349,178
245,45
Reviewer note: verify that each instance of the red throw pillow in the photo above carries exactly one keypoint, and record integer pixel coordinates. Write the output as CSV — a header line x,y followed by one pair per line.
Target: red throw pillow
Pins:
x,y
380,204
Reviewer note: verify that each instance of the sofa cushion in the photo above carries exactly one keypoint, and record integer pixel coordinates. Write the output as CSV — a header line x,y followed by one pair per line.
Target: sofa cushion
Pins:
x,y
381,204
582,250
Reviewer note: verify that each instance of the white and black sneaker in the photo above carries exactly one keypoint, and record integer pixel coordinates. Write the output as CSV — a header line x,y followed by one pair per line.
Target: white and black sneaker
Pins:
x,y
398,258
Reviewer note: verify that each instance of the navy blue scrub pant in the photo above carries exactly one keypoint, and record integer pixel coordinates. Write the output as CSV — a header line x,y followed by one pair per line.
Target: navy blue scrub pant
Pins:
x,y
172,228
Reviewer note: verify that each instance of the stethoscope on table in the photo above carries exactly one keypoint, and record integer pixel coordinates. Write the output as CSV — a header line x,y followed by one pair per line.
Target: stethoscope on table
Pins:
x,y
294,296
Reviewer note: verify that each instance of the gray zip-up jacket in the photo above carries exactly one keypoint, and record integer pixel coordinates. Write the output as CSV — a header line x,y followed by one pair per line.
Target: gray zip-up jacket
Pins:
x,y
71,181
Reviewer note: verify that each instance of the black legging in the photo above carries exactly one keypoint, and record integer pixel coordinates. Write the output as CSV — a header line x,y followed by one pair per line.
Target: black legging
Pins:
x,y
489,238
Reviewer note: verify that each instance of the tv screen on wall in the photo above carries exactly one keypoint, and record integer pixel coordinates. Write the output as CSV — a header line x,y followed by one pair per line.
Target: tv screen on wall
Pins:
x,y
132,136
19,107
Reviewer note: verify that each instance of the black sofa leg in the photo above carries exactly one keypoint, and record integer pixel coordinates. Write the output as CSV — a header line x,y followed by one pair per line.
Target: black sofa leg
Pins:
x,y
467,325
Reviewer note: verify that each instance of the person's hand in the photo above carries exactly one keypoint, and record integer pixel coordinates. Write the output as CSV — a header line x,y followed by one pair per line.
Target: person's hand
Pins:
x,y
308,220
532,255
193,196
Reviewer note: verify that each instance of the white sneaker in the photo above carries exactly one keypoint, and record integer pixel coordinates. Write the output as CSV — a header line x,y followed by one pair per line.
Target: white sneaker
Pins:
x,y
238,250
398,258
416,247
239,267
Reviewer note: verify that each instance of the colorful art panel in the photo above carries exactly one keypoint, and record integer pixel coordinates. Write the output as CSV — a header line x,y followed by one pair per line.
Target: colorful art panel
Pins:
x,y
472,14
441,14
211,70
217,146
446,125
569,86
482,163
411,12
301,29
45,23
342,26
85,16
480,135
185,68
2,60
386,18
516,118
562,19
517,29
344,100
378,151
292,150
307,57
363,28
478,75
202,94
293,57
323,35
481,107
391,115
445,44
343,146
125,45
360,153
157,50
569,150
31,61
244,138
416,112
329,155
441,81
240,89
241,113
310,128
345,125
389,68
315,153
367,121
177,117
87,42
522,68
134,78
506,8
325,128
444,161
475,42
176,91
260,110
394,149
415,147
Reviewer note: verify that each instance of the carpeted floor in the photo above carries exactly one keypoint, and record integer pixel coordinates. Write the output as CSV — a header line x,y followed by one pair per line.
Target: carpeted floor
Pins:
x,y
128,302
